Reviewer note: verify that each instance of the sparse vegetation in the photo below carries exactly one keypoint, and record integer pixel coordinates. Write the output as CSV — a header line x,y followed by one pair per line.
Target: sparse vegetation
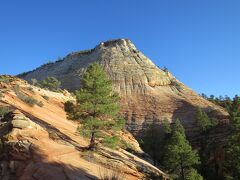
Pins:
x,y
1,95
4,79
28,100
4,110
40,104
34,81
45,97
50,83
25,98
31,89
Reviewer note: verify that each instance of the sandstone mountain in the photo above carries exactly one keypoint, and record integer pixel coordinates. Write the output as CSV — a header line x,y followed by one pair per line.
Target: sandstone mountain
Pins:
x,y
39,143
148,93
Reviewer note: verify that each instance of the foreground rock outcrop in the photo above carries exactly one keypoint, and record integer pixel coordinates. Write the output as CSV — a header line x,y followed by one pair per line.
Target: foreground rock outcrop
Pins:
x,y
39,143
148,93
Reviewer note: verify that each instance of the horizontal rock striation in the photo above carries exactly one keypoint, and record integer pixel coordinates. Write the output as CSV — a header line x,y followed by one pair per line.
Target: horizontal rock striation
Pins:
x,y
148,93
38,143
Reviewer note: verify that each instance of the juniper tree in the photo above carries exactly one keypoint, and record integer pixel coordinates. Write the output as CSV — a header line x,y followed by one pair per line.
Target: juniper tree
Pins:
x,y
97,105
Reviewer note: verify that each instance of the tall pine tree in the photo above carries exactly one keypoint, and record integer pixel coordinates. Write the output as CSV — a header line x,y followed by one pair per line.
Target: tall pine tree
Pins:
x,y
97,105
180,160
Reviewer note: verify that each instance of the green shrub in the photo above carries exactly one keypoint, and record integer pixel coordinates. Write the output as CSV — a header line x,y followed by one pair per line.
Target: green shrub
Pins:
x,y
27,99
1,95
40,104
16,89
50,83
34,81
4,80
31,89
45,97
4,110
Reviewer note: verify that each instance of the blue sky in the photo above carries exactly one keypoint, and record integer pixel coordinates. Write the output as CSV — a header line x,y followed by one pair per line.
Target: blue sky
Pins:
x,y
199,41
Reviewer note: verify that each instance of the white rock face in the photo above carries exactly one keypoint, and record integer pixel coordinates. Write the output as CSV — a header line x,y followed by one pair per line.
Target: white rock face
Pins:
x,y
148,93
127,67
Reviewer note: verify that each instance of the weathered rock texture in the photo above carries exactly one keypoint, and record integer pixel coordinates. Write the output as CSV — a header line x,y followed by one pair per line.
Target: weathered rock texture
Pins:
x,y
148,93
39,143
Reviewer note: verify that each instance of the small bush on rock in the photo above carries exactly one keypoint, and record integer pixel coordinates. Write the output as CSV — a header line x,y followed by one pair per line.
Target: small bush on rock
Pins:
x,y
45,97
27,99
4,80
4,110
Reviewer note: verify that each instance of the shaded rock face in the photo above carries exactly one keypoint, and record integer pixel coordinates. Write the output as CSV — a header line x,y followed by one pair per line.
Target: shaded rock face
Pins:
x,y
148,93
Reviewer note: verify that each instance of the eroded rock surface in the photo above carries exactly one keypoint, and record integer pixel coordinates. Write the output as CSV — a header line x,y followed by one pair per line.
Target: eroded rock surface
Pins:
x,y
48,147
148,92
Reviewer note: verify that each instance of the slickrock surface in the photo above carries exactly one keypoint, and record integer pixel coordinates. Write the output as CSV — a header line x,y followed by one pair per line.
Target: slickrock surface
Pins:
x,y
148,93
39,143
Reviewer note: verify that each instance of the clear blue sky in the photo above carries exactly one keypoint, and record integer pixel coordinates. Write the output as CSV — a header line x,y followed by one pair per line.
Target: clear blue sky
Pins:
x,y
198,40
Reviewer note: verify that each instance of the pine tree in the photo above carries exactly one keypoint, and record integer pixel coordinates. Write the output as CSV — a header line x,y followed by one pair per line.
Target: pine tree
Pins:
x,y
209,165
97,105
154,146
203,120
233,149
180,159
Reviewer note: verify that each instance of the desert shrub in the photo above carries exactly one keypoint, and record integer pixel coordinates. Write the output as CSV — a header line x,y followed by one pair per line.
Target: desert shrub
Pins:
x,y
4,80
31,89
45,97
105,174
27,99
16,89
1,95
34,81
4,110
50,83
40,104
